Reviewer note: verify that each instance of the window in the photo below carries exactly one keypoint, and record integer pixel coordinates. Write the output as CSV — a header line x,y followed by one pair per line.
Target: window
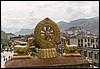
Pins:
x,y
88,40
85,40
90,54
97,46
96,56
85,53
96,40
81,40
88,44
92,40
81,44
93,46
85,45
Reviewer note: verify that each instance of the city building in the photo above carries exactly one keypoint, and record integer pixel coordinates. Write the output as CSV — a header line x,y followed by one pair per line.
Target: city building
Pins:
x,y
88,47
92,55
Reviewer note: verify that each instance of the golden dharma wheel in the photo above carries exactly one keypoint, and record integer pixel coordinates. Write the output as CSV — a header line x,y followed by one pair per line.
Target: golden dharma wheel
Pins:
x,y
47,33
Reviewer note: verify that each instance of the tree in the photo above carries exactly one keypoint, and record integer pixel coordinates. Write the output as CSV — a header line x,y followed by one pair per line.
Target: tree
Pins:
x,y
35,44
5,42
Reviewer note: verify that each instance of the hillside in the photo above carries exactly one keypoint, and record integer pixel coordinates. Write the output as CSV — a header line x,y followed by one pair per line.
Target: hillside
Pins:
x,y
62,25
91,24
24,32
3,35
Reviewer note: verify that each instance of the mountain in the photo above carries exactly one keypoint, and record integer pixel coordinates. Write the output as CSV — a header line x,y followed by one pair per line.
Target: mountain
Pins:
x,y
91,24
24,32
62,25
3,35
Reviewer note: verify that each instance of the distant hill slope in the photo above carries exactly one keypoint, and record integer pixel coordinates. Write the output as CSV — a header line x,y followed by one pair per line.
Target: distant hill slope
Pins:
x,y
91,24
24,32
62,25
3,35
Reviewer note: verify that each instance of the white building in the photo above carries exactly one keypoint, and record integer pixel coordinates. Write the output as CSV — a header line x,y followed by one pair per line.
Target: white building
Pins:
x,y
91,55
88,47
85,42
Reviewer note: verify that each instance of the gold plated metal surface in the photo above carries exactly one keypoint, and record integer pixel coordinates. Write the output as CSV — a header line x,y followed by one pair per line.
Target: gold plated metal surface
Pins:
x,y
47,53
22,51
70,50
47,34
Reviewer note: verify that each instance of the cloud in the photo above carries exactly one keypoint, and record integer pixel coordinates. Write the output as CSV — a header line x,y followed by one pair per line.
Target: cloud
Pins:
x,y
26,14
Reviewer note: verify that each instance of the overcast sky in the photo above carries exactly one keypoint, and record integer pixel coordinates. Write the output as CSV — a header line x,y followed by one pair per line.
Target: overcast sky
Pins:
x,y
16,15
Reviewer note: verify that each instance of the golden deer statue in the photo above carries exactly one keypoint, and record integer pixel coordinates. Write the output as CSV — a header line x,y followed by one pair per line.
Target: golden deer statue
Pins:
x,y
23,49
70,48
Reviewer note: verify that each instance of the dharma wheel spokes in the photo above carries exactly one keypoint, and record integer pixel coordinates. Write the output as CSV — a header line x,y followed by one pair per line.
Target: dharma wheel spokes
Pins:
x,y
47,33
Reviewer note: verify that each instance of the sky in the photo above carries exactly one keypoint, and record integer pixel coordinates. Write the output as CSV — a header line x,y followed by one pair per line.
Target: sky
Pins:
x,y
16,15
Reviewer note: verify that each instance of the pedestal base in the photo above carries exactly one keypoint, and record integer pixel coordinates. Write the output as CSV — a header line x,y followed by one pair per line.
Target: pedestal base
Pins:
x,y
20,56
58,62
47,53
71,54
